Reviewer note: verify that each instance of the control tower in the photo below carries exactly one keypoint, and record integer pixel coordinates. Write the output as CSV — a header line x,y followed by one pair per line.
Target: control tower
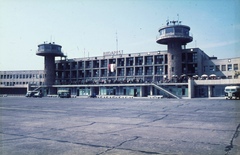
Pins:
x,y
175,36
49,51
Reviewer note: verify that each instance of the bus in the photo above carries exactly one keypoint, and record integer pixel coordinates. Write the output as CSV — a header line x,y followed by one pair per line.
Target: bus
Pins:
x,y
232,92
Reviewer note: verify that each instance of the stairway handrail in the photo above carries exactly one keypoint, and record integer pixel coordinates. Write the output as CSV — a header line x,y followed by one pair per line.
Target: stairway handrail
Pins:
x,y
166,91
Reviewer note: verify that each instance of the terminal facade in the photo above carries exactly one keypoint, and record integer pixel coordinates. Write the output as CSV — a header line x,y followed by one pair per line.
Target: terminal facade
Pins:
x,y
175,72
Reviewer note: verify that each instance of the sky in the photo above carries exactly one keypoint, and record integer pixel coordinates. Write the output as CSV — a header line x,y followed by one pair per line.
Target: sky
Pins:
x,y
91,27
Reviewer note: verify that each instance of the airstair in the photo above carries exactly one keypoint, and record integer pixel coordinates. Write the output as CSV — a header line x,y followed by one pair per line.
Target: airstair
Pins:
x,y
166,91
38,88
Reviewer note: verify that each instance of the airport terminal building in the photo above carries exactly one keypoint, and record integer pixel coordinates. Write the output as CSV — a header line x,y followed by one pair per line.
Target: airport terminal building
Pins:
x,y
178,72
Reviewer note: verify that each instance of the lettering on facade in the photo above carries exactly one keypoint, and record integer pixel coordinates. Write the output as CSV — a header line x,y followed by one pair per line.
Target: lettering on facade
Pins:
x,y
113,53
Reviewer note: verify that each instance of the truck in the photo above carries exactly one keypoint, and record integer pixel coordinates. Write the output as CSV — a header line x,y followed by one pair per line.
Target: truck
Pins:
x,y
232,92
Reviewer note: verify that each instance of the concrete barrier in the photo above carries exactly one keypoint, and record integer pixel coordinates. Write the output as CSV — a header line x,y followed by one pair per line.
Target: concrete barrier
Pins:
x,y
52,95
3,95
155,96
72,96
114,96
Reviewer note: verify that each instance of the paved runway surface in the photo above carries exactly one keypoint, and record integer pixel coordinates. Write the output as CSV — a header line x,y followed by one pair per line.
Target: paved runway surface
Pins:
x,y
54,126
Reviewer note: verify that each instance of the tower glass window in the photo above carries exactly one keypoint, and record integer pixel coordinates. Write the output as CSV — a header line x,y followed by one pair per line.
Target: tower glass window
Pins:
x,y
185,31
162,32
178,30
169,30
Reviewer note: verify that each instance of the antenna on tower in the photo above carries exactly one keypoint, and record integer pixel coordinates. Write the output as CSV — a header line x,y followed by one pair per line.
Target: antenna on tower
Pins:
x,y
116,41
179,22
84,52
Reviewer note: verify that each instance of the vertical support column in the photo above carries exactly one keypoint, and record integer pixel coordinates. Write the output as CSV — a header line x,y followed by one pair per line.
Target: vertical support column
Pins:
x,y
28,87
153,69
209,91
91,91
151,90
52,90
190,88
141,90
77,69
143,69
49,70
174,59
124,68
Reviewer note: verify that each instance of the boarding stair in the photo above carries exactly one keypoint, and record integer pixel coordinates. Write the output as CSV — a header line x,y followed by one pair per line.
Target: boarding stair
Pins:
x,y
166,91
38,88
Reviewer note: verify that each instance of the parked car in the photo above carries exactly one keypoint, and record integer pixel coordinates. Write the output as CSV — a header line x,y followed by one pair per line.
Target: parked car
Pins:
x,y
64,94
92,96
31,93
38,94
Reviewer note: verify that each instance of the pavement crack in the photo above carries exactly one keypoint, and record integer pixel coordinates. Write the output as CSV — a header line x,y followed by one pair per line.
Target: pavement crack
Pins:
x,y
179,105
235,135
135,138
142,114
158,119
59,129
109,149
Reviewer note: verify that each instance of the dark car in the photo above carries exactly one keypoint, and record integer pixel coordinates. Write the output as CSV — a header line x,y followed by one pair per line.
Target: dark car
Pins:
x,y
92,96
64,94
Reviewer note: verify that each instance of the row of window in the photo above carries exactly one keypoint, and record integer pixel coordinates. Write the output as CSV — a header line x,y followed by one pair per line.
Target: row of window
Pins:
x,y
22,76
147,60
20,83
216,68
147,70
120,62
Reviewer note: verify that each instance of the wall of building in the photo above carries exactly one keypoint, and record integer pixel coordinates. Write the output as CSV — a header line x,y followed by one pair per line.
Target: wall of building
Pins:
x,y
146,66
150,66
223,68
123,69
20,78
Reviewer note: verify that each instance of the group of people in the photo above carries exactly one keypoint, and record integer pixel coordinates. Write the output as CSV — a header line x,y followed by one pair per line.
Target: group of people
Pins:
x,y
123,81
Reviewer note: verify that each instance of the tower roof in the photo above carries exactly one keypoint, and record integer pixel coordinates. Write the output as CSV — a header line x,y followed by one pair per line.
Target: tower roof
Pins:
x,y
174,33
47,49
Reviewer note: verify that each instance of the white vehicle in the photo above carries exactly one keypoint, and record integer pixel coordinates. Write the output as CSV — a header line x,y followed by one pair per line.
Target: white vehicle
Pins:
x,y
232,92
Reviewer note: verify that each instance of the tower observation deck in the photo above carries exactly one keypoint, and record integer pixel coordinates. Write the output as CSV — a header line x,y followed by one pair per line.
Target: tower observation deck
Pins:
x,y
175,36
49,51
